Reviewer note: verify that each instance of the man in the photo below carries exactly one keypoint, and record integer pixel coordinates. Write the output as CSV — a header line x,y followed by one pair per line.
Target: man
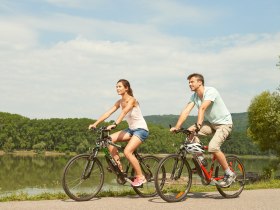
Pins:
x,y
211,107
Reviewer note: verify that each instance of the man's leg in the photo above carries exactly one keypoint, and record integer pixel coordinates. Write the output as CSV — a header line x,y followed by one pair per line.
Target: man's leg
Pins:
x,y
220,136
205,130
221,159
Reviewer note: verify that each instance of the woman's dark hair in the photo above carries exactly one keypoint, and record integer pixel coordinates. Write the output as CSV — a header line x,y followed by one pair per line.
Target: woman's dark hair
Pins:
x,y
126,85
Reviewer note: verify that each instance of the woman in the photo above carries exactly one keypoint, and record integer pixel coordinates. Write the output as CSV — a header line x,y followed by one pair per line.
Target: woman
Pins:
x,y
136,133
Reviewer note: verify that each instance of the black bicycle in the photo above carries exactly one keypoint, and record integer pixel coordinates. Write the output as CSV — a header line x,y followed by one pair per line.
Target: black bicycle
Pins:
x,y
83,175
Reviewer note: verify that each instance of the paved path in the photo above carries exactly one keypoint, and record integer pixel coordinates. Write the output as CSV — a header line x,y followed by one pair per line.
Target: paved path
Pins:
x,y
248,200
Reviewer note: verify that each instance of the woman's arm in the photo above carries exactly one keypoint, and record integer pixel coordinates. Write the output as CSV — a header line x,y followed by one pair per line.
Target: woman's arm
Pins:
x,y
130,104
105,115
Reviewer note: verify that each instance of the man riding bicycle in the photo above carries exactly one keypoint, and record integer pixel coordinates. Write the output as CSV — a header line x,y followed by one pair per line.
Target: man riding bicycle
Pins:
x,y
219,121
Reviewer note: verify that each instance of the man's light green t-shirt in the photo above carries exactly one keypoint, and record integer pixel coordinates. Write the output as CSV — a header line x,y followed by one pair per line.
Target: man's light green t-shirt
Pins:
x,y
217,112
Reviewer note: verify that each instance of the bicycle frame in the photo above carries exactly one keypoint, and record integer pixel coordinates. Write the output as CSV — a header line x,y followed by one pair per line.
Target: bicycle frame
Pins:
x,y
83,175
102,144
173,178
208,175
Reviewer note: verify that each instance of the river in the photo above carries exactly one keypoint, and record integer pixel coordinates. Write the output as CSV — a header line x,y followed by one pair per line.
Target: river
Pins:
x,y
38,173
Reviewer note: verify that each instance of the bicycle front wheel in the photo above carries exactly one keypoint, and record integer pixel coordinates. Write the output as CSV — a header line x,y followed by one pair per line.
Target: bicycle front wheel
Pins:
x,y
237,186
82,177
148,165
173,178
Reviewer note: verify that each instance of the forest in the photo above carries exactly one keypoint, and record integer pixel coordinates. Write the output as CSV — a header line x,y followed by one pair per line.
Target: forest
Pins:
x,y
72,135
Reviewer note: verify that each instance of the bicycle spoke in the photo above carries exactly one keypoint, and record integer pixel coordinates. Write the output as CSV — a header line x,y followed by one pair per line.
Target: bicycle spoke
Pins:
x,y
80,187
237,186
173,178
149,165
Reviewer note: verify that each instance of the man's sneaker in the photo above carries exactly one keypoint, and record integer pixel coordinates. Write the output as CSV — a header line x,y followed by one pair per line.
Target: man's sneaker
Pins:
x,y
228,179
137,182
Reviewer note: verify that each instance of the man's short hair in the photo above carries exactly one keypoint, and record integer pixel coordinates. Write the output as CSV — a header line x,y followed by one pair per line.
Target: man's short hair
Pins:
x,y
199,77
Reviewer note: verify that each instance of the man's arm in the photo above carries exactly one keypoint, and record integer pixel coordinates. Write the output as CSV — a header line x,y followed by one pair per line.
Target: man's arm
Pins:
x,y
183,116
201,112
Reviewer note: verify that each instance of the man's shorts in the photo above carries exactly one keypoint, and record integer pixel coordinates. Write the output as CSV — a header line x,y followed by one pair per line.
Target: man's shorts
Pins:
x,y
220,131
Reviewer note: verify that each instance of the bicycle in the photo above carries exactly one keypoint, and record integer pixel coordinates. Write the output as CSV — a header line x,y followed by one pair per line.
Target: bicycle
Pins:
x,y
173,178
83,175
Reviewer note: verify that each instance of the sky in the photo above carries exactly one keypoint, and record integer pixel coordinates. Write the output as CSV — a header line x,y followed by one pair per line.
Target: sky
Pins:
x,y
63,58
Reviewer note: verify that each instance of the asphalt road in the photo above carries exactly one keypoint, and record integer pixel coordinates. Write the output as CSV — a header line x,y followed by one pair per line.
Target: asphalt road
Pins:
x,y
249,200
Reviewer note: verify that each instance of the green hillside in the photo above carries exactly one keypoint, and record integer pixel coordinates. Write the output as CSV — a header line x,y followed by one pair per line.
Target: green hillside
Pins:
x,y
240,120
71,134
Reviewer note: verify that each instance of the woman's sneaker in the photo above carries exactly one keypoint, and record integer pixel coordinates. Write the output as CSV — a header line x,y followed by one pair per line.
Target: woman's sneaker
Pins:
x,y
228,179
137,182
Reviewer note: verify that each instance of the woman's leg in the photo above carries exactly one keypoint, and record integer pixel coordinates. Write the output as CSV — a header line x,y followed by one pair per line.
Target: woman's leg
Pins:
x,y
132,145
118,136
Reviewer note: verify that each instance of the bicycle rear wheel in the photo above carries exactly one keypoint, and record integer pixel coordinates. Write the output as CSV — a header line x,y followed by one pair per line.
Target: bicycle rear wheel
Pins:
x,y
82,177
236,187
148,166
173,178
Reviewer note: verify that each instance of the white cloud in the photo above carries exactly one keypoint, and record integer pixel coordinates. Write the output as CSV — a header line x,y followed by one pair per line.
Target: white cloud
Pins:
x,y
74,3
73,78
76,77
14,35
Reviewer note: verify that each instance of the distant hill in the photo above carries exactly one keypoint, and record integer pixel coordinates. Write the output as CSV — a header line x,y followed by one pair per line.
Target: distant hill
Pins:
x,y
71,134
240,120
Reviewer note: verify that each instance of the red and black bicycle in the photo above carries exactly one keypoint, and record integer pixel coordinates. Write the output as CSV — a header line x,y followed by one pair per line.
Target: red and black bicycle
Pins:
x,y
173,178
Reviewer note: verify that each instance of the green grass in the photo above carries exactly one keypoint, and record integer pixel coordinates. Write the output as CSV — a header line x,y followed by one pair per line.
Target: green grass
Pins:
x,y
271,184
26,197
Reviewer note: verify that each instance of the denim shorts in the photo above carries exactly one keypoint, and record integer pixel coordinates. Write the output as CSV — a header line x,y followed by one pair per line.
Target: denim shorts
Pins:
x,y
141,133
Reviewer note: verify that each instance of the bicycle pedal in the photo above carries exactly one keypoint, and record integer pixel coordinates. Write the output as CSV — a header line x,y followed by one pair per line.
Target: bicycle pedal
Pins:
x,y
194,171
109,170
128,180
141,186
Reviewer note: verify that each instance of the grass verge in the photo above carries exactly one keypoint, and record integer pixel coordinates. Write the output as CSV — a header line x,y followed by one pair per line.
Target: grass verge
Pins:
x,y
271,184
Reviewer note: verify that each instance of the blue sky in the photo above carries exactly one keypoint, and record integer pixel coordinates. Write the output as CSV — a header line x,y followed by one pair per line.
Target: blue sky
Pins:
x,y
62,58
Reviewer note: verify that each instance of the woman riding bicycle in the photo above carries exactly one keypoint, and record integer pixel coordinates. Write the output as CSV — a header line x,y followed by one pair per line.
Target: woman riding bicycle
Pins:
x,y
136,133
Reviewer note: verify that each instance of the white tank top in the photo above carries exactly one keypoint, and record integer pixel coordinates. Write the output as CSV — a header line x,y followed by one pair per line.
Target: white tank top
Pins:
x,y
135,119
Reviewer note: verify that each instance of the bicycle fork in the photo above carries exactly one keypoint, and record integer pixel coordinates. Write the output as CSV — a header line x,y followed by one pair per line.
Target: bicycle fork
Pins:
x,y
88,169
176,175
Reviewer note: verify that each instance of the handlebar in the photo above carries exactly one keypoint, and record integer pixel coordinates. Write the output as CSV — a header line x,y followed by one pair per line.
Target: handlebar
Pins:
x,y
182,130
101,129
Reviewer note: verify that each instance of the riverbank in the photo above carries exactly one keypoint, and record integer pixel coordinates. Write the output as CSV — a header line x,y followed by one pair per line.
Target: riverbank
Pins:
x,y
270,184
32,153
56,153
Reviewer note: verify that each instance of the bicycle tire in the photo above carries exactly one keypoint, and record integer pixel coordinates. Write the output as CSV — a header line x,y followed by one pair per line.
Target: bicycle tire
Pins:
x,y
148,165
81,187
235,189
173,178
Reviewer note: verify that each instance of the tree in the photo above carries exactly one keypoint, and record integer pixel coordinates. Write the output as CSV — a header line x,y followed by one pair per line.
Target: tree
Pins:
x,y
264,121
278,64
9,145
40,147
